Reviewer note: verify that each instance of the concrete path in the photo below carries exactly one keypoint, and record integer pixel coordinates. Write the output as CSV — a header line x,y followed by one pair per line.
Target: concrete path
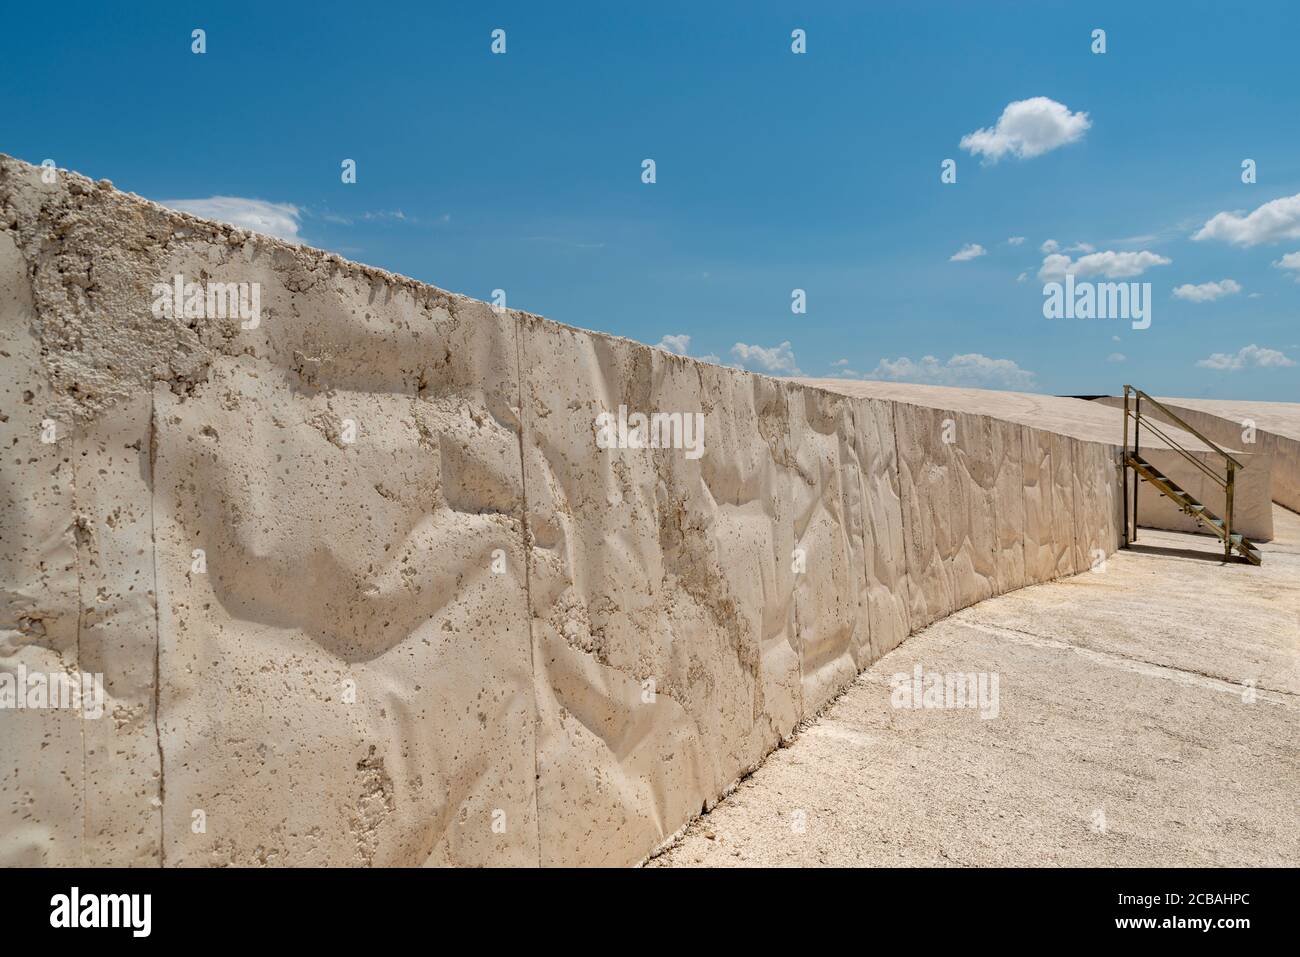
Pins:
x,y
1146,714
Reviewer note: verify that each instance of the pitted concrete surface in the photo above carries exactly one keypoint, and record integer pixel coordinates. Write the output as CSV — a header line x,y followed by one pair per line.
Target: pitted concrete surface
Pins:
x,y
1147,715
366,586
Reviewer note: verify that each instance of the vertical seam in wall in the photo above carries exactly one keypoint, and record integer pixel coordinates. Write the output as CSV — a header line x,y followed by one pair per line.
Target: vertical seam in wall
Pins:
x,y
995,581
1024,512
793,467
902,508
996,529
76,553
864,513
157,633
528,584
1075,483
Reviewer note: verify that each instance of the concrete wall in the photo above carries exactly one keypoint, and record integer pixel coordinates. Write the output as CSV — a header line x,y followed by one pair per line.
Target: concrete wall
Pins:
x,y
1102,423
468,636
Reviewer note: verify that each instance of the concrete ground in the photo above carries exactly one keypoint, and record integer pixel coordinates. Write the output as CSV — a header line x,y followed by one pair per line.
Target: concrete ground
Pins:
x,y
1147,714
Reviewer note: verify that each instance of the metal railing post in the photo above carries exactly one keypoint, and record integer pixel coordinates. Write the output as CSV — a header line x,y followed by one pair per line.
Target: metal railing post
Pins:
x,y
1137,479
1227,519
1123,469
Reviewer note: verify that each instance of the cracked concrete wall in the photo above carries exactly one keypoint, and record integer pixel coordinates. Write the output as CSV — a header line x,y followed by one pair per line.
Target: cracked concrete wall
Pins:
x,y
365,590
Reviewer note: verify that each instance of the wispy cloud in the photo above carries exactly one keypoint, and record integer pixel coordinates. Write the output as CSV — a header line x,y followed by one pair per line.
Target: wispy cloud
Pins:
x,y
1110,264
376,216
969,251
1290,262
680,346
970,369
1027,128
281,220
1251,356
1207,291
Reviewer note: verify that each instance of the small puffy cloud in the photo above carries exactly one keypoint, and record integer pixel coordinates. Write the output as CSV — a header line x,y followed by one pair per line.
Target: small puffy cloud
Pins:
x,y
1206,291
1274,221
971,369
1290,262
1027,128
677,345
969,251
680,346
1110,264
281,220
1081,248
1015,240
1251,356
1049,246
1022,277
840,362
777,359
1116,357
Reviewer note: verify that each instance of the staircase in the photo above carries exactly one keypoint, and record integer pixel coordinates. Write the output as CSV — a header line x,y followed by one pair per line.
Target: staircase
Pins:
x,y
1166,486
1144,471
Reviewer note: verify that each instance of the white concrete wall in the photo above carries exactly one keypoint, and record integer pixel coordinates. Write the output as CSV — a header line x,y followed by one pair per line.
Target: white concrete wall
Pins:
x,y
469,616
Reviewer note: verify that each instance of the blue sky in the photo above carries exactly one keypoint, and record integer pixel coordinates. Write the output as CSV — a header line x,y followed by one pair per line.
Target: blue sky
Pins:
x,y
774,170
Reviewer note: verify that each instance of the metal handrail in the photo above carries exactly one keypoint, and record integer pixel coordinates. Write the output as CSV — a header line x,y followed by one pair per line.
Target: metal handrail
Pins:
x,y
1227,483
1174,446
1183,425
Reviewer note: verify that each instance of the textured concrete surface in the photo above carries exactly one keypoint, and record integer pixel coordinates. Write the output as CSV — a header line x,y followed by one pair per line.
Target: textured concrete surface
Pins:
x,y
365,589
1270,430
1101,422
1147,716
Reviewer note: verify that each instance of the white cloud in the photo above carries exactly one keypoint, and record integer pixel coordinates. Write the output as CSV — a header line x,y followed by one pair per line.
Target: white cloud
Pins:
x,y
272,219
1246,357
1116,357
1016,240
778,359
1275,220
971,369
1291,261
1022,277
1027,128
969,251
1049,246
1110,264
680,346
1081,248
677,345
840,362
1207,291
